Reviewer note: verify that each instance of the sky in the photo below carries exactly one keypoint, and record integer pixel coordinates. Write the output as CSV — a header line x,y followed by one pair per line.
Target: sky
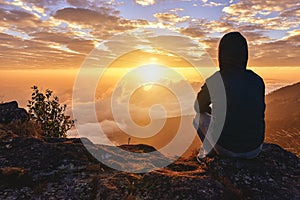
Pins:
x,y
60,33
48,43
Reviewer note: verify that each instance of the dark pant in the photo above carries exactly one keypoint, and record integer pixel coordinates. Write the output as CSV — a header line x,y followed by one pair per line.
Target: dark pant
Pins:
x,y
201,124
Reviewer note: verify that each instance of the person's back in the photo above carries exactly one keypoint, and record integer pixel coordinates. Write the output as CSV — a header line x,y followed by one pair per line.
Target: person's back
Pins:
x,y
243,130
244,123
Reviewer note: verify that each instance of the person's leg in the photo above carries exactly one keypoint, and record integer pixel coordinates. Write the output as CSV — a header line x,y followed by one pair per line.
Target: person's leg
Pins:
x,y
201,124
199,132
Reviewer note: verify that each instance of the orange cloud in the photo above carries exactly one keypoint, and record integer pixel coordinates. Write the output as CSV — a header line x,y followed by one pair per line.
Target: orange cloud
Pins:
x,y
41,35
170,18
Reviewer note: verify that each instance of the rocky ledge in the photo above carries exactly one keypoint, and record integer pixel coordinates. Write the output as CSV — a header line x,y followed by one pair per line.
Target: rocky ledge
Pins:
x,y
10,112
46,168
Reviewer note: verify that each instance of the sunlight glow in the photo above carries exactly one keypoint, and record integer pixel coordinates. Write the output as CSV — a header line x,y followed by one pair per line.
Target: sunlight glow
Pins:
x,y
153,59
148,87
151,73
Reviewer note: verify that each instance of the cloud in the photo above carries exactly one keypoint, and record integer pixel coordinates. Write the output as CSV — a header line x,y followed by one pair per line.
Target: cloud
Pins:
x,y
145,2
40,34
285,51
86,16
257,21
170,18
76,44
60,34
140,101
291,12
269,14
196,28
16,21
263,50
176,10
212,4
94,134
139,106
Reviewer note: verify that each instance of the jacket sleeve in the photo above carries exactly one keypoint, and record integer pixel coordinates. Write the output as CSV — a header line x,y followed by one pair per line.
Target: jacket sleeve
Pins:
x,y
203,101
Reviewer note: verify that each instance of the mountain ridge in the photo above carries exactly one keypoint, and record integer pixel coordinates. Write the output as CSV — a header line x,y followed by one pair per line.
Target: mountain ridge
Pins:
x,y
283,117
62,168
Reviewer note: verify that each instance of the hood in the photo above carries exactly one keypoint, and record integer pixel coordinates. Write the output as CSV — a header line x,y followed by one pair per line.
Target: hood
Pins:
x,y
233,51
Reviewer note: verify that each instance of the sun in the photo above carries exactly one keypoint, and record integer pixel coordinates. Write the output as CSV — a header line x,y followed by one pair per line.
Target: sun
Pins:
x,y
148,87
147,69
151,73
153,59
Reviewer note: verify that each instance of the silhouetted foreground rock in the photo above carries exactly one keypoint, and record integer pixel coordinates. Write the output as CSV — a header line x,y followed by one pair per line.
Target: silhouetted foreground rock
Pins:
x,y
63,169
10,112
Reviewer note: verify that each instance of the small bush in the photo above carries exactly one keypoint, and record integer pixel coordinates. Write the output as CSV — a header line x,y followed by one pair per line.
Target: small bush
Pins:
x,y
46,110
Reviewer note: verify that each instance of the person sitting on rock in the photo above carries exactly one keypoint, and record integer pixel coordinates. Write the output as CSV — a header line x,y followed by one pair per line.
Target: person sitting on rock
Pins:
x,y
242,133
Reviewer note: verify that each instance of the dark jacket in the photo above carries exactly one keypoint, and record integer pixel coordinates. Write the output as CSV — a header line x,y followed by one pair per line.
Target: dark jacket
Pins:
x,y
244,122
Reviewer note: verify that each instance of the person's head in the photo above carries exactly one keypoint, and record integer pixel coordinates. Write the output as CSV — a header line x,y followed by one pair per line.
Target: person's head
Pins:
x,y
233,51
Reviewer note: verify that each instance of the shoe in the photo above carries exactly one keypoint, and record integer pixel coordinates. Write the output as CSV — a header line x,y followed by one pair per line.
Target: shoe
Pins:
x,y
202,154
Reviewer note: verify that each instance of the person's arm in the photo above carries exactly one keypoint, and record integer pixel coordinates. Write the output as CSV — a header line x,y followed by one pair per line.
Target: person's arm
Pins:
x,y
203,101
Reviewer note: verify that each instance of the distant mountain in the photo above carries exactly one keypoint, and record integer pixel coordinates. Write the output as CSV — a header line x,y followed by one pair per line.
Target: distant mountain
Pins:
x,y
283,117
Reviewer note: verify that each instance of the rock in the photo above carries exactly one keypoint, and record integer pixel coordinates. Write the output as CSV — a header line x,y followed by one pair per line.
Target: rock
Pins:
x,y
138,148
272,175
14,177
50,168
10,112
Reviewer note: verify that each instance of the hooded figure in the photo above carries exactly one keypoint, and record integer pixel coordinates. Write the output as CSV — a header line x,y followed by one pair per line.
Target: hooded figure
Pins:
x,y
233,51
243,131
